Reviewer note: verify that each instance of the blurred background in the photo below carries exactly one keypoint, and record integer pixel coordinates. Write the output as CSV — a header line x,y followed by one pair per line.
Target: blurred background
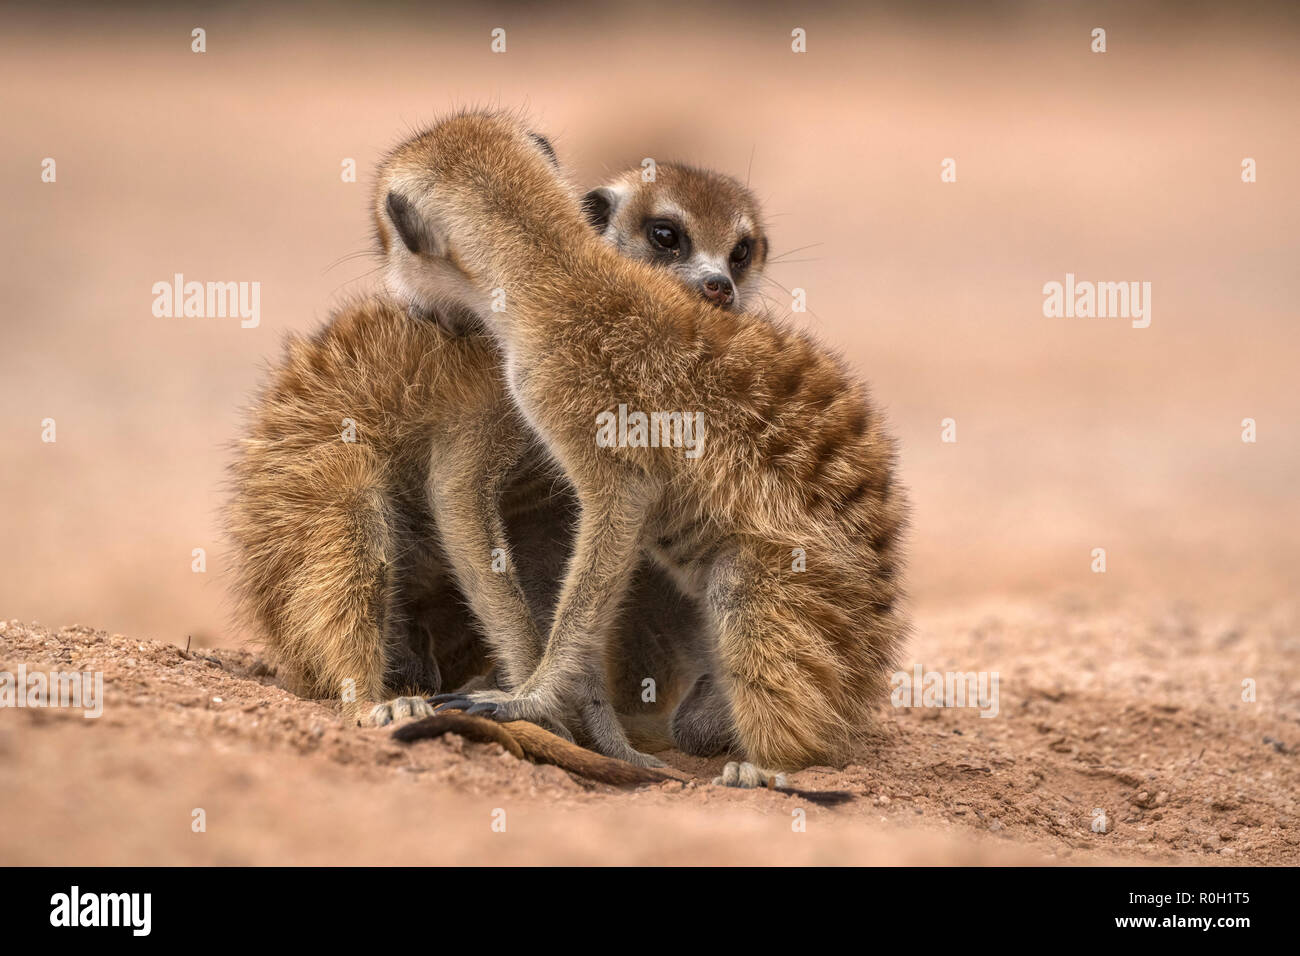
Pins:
x,y
1072,433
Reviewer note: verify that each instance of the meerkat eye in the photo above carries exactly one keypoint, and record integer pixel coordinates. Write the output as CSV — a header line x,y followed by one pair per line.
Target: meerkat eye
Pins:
x,y
740,255
664,235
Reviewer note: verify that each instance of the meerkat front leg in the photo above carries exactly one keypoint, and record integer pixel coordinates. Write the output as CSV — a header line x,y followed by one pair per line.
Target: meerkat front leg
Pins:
x,y
472,529
571,671
463,490
474,539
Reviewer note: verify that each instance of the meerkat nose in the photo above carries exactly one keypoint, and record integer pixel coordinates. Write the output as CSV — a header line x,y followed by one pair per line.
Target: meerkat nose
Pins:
x,y
718,290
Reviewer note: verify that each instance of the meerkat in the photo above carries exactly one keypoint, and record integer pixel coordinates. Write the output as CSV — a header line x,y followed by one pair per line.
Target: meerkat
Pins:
x,y
787,528
395,525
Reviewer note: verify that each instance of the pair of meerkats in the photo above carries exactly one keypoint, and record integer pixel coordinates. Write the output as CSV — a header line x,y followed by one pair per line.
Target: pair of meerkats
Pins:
x,y
422,497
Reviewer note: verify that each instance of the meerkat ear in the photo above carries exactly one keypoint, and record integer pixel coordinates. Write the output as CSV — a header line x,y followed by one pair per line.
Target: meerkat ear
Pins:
x,y
598,207
409,224
546,148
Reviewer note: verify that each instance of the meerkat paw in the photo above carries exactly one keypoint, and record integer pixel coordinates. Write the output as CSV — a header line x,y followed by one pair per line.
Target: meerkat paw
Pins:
x,y
483,703
601,727
500,705
640,759
747,776
399,708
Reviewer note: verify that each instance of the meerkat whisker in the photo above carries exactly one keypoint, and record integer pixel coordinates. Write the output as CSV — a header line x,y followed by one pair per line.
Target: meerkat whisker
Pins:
x,y
790,252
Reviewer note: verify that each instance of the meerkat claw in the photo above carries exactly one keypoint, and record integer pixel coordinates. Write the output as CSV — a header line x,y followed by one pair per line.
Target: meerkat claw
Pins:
x,y
494,704
455,703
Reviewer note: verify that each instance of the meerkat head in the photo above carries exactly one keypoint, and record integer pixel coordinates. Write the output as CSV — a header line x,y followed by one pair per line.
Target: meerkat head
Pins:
x,y
703,226
422,200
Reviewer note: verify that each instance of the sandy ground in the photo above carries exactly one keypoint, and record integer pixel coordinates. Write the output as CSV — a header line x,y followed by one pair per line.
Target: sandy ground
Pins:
x,y
1136,714
1119,692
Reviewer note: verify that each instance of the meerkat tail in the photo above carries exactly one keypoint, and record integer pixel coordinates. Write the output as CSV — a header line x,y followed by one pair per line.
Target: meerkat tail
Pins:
x,y
476,729
545,747
523,739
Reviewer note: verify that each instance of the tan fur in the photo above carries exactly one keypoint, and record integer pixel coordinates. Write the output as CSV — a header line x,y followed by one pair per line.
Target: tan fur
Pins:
x,y
371,561
337,568
795,456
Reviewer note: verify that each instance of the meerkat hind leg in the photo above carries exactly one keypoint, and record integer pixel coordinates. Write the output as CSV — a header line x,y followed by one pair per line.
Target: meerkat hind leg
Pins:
x,y
701,724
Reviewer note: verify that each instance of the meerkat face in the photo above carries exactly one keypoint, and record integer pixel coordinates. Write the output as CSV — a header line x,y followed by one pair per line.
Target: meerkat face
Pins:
x,y
703,226
416,214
